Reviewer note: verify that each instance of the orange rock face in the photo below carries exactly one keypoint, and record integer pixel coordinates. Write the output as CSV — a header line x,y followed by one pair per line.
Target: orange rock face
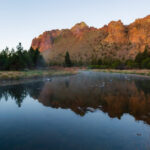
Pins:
x,y
117,33
139,32
114,40
45,41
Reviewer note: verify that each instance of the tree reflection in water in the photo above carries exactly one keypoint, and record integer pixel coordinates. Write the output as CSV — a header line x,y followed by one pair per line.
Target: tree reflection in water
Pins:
x,y
20,92
113,94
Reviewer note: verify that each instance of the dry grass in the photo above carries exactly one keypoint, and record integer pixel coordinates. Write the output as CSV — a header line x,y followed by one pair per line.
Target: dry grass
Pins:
x,y
16,75
134,71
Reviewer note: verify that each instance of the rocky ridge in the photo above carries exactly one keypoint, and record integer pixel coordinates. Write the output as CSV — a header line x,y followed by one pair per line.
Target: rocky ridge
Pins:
x,y
84,43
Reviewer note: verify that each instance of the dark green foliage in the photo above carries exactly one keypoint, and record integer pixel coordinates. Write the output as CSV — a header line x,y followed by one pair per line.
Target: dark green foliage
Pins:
x,y
141,57
142,61
68,62
108,63
36,58
99,62
117,64
97,67
131,64
146,63
20,59
4,59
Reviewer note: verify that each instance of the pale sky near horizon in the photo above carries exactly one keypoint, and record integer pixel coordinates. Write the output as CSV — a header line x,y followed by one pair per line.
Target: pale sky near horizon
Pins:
x,y
22,20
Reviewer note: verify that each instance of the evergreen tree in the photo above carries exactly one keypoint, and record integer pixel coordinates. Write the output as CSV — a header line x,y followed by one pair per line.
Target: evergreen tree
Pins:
x,y
68,62
20,59
142,56
4,59
36,57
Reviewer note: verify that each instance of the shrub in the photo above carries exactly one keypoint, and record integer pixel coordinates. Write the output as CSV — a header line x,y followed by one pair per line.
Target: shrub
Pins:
x,y
145,63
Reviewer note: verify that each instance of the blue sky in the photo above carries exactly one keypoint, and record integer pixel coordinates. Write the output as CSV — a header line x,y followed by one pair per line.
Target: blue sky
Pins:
x,y
22,20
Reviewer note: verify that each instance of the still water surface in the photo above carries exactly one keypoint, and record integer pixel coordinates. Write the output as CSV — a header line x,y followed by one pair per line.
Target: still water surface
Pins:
x,y
88,111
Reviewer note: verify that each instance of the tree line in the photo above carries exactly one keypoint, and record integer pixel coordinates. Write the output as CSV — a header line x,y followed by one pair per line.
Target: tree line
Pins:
x,y
141,61
20,59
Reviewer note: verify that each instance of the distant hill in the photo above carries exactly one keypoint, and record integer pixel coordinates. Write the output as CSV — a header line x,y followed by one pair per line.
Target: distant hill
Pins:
x,y
84,43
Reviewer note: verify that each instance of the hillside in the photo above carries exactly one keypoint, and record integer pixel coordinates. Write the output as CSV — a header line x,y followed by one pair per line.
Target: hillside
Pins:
x,y
84,43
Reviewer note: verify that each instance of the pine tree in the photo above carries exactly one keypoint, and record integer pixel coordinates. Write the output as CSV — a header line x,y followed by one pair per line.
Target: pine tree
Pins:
x,y
68,62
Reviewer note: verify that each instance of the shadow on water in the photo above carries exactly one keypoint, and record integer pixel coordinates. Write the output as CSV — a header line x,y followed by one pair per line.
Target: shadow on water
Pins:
x,y
113,94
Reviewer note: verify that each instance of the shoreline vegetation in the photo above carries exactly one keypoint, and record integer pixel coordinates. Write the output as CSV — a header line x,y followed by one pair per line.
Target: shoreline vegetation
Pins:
x,y
33,74
22,65
21,77
21,60
61,71
16,77
141,72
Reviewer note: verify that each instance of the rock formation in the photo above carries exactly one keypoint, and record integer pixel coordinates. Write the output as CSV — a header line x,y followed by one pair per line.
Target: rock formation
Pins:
x,y
84,43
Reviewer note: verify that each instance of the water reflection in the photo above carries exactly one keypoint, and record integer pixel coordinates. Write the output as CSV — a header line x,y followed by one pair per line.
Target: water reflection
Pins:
x,y
113,94
20,92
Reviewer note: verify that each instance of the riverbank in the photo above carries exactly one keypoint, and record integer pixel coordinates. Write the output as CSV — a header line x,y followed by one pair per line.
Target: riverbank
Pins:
x,y
17,75
143,72
7,77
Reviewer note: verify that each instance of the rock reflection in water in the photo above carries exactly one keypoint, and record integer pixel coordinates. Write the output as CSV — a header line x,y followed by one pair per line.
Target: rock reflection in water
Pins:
x,y
113,94
85,93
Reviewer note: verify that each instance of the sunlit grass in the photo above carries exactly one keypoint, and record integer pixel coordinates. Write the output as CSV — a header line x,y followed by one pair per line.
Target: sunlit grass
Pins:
x,y
16,75
33,74
134,71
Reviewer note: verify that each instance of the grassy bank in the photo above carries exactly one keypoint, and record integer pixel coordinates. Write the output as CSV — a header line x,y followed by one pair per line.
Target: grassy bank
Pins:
x,y
144,72
33,74
17,75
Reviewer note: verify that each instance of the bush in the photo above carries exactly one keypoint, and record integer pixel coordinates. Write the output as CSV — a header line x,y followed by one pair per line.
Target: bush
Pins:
x,y
145,63
117,65
97,67
130,64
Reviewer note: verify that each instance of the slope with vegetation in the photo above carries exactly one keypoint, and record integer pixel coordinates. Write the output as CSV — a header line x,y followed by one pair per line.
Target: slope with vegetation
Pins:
x,y
88,45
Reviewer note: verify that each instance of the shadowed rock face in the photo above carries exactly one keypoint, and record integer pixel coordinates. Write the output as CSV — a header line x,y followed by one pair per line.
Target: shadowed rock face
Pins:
x,y
114,40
